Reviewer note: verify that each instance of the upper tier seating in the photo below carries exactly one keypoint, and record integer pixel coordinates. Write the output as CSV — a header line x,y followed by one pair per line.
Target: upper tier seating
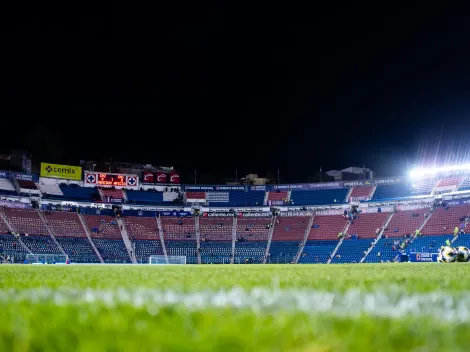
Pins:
x,y
319,197
141,228
74,192
144,197
40,244
405,222
65,224
465,186
175,228
6,187
452,181
27,184
25,221
366,224
216,228
423,187
235,198
79,250
392,191
51,190
112,194
444,220
278,197
327,227
317,251
102,226
196,195
253,229
360,193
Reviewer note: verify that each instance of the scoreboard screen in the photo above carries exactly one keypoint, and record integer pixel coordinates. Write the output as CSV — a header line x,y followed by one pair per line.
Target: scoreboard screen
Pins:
x,y
112,180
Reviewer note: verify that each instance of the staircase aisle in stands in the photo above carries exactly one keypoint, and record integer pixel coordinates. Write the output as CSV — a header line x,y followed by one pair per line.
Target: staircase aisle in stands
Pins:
x,y
378,237
340,242
234,239
270,238
162,237
127,242
49,230
198,238
12,230
302,245
88,235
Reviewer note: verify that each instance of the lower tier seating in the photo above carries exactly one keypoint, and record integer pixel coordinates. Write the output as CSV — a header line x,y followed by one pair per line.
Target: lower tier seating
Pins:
x,y
187,248
317,251
112,251
251,252
216,252
78,249
282,252
10,246
145,248
40,244
351,250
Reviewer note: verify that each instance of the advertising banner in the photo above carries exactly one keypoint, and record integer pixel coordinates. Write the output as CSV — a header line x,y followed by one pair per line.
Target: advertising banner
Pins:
x,y
161,177
180,214
296,213
4,174
308,186
25,177
174,177
16,205
422,257
148,177
67,172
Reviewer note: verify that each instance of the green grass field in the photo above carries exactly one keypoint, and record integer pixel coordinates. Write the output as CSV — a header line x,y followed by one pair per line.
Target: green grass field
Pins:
x,y
360,307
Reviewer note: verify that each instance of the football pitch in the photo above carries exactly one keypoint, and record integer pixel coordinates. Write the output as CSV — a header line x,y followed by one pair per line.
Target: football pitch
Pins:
x,y
360,307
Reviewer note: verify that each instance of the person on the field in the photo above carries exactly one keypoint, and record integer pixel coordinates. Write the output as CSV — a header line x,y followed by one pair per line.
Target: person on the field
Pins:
x,y
456,230
447,242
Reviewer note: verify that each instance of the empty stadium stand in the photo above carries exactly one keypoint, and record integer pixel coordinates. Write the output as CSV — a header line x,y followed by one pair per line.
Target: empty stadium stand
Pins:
x,y
392,191
405,222
352,250
25,221
78,249
75,192
278,197
144,197
10,246
252,238
317,251
366,224
6,187
445,219
361,193
109,194
319,197
287,237
465,185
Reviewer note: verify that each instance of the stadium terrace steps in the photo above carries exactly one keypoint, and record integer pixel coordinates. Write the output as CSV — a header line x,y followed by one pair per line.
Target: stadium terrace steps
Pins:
x,y
387,222
287,238
6,185
234,239
340,242
50,232
306,234
88,235
360,193
198,238
161,237
126,240
267,254
278,197
53,190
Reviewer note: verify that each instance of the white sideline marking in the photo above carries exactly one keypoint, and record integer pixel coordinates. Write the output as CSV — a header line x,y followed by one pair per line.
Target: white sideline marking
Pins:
x,y
395,303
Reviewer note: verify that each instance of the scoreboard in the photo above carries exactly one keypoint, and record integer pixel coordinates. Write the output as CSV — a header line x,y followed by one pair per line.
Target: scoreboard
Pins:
x,y
111,180
108,179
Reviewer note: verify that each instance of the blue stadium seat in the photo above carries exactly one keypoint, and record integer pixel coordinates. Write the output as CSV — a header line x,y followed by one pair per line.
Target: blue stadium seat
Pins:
x,y
112,251
74,192
39,244
216,252
236,198
319,197
10,246
317,251
393,191
187,248
351,250
283,252
145,248
78,249
145,197
250,252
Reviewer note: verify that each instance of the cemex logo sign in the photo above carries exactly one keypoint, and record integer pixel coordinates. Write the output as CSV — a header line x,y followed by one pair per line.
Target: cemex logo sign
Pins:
x,y
61,171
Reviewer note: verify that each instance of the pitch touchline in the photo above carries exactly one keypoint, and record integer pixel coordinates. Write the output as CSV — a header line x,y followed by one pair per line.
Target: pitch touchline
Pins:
x,y
390,304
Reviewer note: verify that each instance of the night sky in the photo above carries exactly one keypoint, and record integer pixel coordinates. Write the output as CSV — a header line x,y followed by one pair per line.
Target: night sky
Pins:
x,y
225,87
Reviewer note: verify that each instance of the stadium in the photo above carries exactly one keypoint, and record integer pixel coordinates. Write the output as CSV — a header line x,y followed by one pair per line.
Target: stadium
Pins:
x,y
220,176
141,246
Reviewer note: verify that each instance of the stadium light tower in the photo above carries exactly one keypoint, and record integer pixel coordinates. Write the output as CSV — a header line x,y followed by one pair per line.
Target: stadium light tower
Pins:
x,y
432,171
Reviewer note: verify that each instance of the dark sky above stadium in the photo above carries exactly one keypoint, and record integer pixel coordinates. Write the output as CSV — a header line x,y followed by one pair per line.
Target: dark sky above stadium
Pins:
x,y
224,87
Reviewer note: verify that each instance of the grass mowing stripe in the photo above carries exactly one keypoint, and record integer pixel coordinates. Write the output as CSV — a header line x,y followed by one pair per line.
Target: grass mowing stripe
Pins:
x,y
393,303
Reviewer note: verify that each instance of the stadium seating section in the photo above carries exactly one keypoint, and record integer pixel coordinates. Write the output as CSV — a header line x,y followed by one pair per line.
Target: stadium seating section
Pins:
x,y
144,197
323,196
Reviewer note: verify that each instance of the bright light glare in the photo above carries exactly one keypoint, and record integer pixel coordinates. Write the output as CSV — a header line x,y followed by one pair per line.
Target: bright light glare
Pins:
x,y
423,172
